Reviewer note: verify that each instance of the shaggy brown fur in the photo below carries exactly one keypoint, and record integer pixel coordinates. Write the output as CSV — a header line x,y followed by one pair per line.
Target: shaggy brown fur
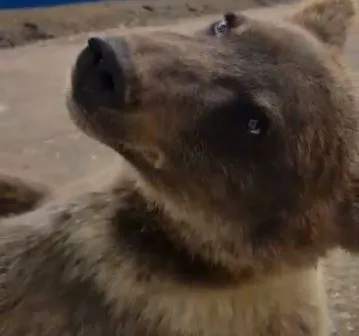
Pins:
x,y
19,195
240,150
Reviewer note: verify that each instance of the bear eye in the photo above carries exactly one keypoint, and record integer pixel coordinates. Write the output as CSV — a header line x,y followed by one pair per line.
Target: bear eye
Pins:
x,y
256,126
255,122
220,28
229,22
233,128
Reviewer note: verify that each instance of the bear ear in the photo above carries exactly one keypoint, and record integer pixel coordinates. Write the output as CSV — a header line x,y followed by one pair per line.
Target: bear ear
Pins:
x,y
328,20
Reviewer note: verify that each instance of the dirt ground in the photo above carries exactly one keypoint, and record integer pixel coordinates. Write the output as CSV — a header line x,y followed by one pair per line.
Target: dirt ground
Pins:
x,y
38,139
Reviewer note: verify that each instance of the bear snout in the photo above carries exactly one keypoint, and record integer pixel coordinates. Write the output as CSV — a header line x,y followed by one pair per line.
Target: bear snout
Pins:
x,y
100,75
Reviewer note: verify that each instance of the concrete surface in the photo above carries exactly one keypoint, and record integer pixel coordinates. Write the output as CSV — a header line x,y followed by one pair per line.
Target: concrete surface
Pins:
x,y
36,134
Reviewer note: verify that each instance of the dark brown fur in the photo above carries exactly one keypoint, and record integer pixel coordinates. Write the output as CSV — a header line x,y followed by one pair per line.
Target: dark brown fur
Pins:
x,y
19,195
209,229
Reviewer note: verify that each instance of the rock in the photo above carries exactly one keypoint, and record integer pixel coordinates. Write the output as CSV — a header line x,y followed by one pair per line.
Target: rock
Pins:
x,y
191,9
148,8
33,32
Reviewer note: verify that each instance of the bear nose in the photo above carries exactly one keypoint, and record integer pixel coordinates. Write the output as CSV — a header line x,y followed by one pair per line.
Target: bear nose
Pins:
x,y
99,78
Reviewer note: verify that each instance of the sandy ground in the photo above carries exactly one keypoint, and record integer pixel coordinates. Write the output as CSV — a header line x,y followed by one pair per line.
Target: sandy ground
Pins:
x,y
20,27
38,139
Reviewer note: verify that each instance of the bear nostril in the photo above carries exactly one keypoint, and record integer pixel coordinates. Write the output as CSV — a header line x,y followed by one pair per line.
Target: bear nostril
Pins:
x,y
107,81
102,60
98,49
102,75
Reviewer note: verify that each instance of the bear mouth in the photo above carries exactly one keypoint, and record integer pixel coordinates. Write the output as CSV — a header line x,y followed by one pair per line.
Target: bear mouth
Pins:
x,y
104,125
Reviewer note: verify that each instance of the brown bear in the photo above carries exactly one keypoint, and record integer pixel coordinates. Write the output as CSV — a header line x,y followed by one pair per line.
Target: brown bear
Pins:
x,y
240,143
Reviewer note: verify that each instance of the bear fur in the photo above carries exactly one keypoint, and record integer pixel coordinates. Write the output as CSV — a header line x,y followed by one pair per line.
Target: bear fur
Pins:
x,y
240,175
